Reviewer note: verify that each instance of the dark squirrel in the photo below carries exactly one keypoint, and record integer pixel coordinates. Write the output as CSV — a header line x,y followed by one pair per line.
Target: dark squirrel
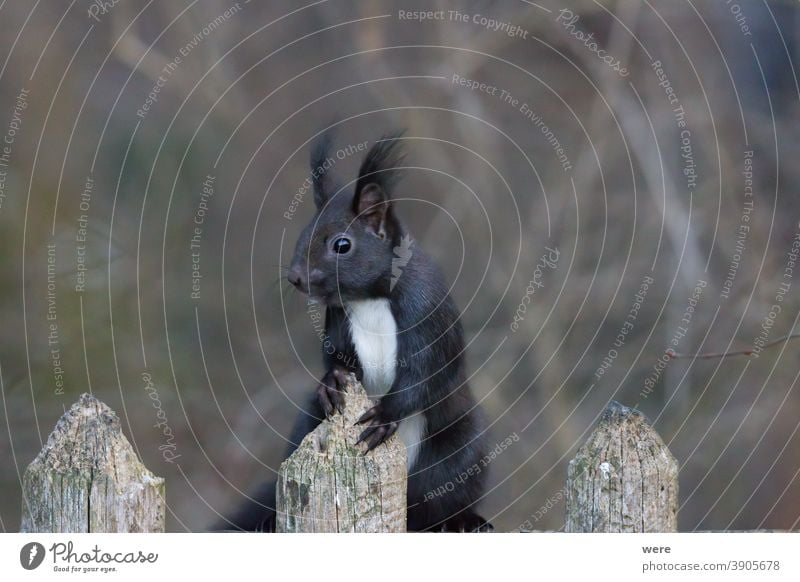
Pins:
x,y
390,320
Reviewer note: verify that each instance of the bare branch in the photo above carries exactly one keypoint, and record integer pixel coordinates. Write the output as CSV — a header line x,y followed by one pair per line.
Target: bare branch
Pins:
x,y
711,355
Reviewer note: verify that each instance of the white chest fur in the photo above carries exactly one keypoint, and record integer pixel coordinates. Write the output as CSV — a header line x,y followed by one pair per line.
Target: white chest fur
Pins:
x,y
374,334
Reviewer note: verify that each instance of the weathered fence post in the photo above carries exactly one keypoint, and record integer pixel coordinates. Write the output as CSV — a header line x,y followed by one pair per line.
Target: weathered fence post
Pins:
x,y
87,478
329,485
623,479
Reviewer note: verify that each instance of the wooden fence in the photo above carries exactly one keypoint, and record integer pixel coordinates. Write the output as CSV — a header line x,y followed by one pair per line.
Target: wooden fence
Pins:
x,y
87,478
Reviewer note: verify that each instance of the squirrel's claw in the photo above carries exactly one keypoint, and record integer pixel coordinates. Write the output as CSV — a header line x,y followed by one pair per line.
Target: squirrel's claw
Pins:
x,y
330,391
376,434
370,414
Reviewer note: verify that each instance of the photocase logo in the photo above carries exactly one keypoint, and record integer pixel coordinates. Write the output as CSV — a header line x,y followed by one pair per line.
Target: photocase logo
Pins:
x,y
402,254
31,555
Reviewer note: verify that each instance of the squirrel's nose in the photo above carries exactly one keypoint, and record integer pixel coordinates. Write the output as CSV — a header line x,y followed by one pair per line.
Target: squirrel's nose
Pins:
x,y
295,276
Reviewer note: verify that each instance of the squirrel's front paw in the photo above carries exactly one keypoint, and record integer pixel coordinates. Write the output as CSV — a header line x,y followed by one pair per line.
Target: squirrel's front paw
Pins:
x,y
378,428
330,391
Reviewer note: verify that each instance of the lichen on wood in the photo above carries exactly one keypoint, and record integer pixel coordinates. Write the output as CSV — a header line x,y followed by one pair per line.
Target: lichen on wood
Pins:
x,y
623,479
87,478
329,485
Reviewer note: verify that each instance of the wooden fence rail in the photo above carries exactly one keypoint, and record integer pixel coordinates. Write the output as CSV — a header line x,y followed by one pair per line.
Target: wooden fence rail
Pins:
x,y
88,478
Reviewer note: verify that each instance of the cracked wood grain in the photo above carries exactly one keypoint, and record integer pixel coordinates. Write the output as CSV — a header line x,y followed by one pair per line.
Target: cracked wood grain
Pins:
x,y
87,478
623,479
329,485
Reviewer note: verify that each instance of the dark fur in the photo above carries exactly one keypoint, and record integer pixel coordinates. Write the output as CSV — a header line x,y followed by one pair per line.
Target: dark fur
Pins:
x,y
430,343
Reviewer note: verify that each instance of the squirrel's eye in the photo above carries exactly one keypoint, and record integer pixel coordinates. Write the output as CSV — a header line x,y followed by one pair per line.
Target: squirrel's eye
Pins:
x,y
341,245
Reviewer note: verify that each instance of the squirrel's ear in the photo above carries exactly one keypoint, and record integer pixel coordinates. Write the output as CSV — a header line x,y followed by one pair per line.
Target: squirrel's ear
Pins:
x,y
371,207
378,172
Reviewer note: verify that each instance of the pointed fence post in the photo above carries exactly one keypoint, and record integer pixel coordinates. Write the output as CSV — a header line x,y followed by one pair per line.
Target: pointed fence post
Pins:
x,y
329,485
623,479
87,478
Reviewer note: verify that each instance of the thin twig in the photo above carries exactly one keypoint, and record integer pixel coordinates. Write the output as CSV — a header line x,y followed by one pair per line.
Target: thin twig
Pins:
x,y
708,356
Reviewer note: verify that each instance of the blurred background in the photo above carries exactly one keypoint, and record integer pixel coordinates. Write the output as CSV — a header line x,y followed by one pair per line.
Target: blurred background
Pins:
x,y
153,161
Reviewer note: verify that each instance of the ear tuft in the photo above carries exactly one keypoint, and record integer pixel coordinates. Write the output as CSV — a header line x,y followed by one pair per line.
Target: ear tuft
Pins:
x,y
381,163
322,181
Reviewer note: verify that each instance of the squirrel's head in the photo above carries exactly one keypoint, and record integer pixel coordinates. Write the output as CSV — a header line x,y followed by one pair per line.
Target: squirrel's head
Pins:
x,y
345,253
